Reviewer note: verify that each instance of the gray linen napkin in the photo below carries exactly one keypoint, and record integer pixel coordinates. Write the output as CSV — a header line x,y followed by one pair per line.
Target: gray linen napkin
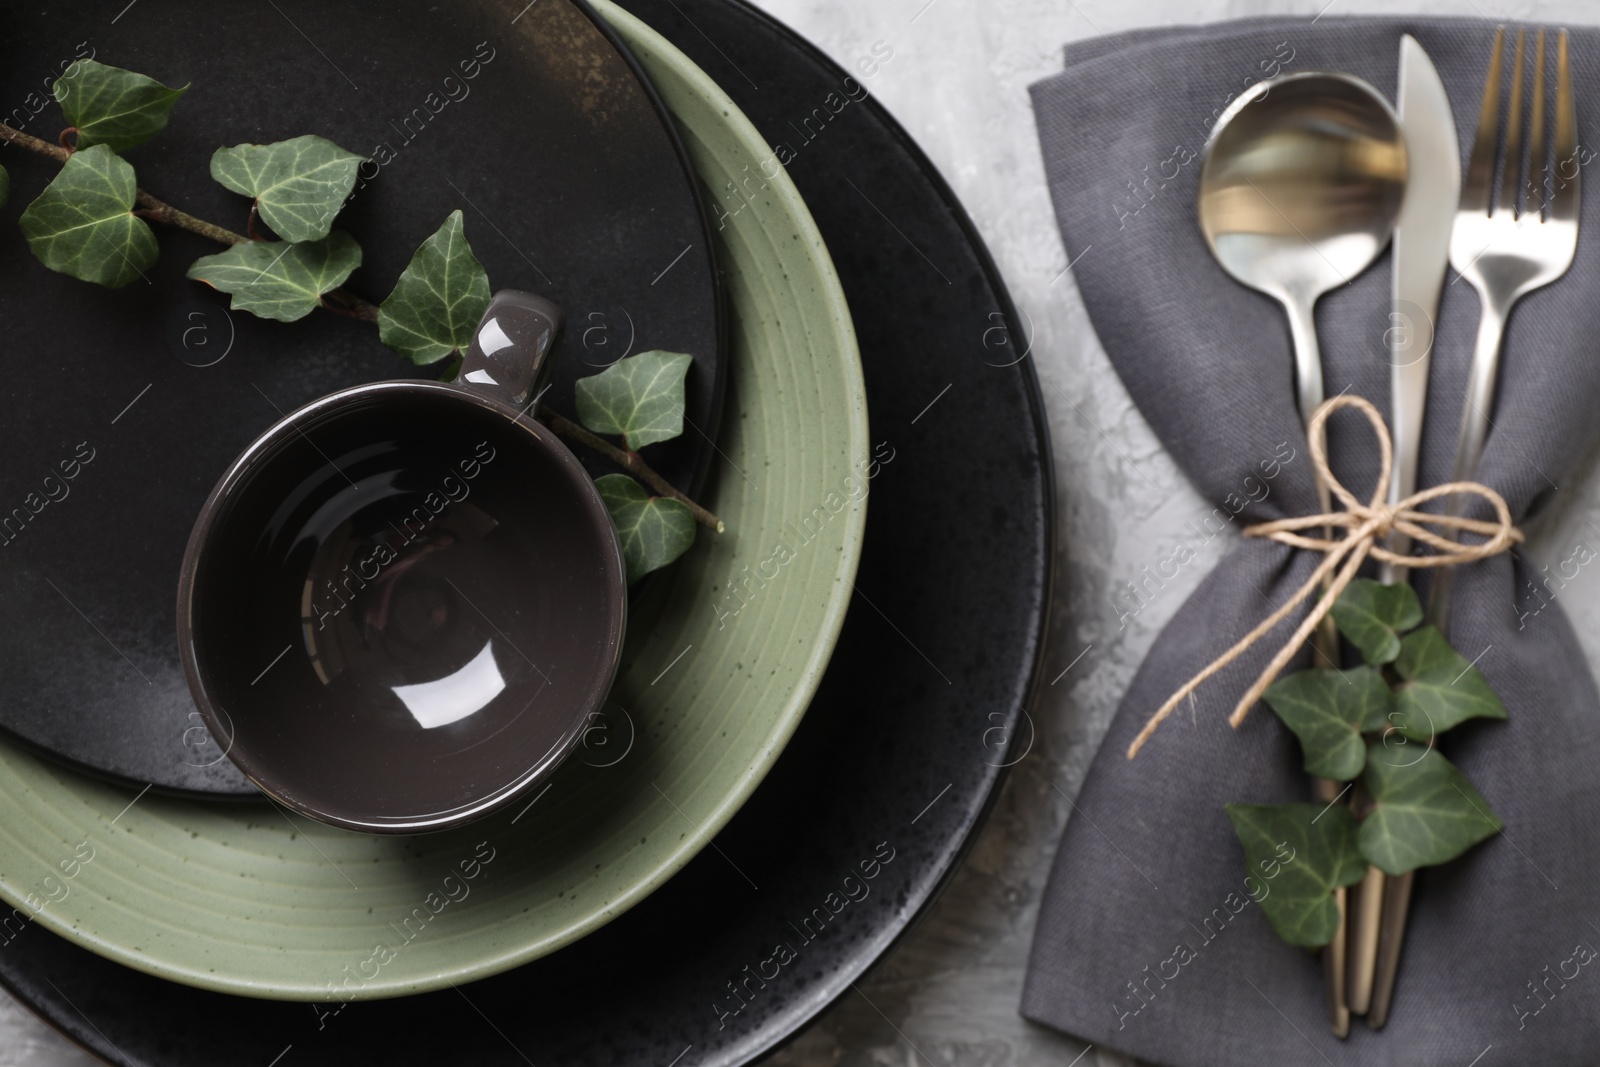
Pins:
x,y
1147,941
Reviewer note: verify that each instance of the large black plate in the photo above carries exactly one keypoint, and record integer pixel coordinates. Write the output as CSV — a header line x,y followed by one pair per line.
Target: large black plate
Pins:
x,y
901,750
572,183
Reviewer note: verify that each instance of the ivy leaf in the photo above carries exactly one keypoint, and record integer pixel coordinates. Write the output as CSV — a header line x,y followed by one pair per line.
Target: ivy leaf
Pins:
x,y
1373,615
1328,710
298,185
83,223
112,106
1299,854
654,531
280,281
1425,812
439,299
640,397
1440,688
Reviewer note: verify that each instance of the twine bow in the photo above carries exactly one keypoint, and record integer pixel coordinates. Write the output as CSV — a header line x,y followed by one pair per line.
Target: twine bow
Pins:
x,y
1368,524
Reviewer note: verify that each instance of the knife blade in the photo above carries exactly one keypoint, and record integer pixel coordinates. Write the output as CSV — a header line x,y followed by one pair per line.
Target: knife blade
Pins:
x,y
1420,256
1421,250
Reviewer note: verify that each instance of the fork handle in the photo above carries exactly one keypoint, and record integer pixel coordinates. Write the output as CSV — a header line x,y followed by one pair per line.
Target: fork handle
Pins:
x,y
1469,449
1480,388
1469,443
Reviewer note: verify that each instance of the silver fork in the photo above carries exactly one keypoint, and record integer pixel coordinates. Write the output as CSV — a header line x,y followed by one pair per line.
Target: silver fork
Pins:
x,y
1510,238
1511,242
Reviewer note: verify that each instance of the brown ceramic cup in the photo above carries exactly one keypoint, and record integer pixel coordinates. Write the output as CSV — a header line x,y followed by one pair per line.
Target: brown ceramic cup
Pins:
x,y
401,605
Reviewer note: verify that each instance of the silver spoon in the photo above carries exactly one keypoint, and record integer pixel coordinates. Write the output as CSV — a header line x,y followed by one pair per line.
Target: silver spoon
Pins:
x,y
1300,189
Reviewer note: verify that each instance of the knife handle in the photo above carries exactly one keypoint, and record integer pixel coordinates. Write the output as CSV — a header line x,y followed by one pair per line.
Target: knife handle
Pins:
x,y
1396,906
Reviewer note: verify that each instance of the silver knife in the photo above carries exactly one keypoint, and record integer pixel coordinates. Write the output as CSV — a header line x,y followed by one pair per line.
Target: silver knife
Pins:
x,y
1421,254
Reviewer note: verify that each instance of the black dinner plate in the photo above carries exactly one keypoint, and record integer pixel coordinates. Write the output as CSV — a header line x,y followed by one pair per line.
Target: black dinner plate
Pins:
x,y
528,118
892,768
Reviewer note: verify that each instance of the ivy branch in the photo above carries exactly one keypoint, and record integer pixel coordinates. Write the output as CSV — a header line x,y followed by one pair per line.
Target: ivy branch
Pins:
x,y
338,301
91,222
1374,726
148,206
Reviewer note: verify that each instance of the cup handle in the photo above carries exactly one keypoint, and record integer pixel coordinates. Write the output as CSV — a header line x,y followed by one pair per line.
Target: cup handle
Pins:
x,y
507,358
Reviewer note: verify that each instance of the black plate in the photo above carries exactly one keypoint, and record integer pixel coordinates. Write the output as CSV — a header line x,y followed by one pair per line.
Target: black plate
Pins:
x,y
900,752
573,185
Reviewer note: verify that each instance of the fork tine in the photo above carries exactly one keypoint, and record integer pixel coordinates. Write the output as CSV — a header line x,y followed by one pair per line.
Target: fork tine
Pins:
x,y
1475,188
1566,200
1536,188
1511,172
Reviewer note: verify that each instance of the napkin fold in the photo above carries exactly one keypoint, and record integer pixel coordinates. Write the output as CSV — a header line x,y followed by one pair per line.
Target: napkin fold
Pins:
x,y
1148,941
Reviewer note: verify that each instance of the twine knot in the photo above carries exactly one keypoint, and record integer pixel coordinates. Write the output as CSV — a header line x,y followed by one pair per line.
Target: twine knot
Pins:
x,y
1384,515
1366,525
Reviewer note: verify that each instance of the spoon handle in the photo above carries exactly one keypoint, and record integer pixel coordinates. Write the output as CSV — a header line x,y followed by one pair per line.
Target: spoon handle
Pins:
x,y
1325,647
1307,362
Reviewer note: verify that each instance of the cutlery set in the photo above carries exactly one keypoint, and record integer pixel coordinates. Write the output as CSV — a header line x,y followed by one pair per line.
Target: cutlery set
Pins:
x,y
1304,181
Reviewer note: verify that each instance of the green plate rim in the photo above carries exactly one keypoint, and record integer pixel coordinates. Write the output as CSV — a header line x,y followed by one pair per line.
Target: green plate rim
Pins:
x,y
645,42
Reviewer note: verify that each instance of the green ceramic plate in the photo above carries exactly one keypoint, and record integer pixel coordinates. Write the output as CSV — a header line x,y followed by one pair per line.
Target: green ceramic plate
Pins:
x,y
721,662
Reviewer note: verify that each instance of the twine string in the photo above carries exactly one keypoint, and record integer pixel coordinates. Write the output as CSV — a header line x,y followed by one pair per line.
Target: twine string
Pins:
x,y
1367,526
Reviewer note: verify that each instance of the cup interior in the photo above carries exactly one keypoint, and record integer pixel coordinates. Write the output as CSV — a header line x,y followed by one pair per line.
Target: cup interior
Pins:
x,y
401,606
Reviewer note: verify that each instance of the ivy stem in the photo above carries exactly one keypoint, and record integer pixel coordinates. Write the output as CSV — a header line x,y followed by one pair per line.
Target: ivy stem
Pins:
x,y
631,462
34,144
342,302
161,211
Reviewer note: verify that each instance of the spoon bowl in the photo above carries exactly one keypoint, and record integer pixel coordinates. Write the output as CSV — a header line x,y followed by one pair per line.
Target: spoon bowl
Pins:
x,y
1300,189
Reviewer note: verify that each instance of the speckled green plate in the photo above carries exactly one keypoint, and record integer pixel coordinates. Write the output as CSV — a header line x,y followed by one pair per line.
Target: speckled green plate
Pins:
x,y
722,660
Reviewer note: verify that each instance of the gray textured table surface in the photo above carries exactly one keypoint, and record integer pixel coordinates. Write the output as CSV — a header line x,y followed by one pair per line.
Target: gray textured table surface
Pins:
x,y
948,996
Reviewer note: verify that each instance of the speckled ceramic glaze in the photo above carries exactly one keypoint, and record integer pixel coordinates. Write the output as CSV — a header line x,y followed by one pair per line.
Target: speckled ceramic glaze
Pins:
x,y
723,658
572,184
889,752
